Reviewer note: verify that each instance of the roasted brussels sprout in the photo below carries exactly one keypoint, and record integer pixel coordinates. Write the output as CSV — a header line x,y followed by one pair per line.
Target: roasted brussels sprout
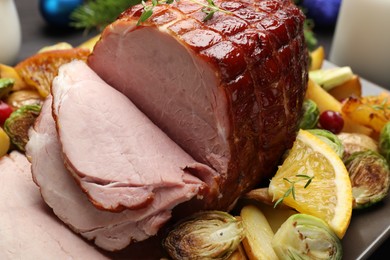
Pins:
x,y
5,86
205,235
24,97
384,141
306,237
331,139
310,115
354,142
370,178
18,124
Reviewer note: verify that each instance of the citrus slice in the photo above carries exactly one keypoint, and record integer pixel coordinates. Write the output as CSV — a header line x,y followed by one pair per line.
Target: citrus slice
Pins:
x,y
315,175
40,69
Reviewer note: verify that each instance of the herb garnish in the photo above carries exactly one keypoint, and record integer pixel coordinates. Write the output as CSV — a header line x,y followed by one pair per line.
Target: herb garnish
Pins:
x,y
291,190
382,106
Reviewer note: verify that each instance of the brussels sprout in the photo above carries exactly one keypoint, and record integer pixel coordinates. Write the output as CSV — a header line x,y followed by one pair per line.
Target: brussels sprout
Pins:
x,y
306,237
310,115
205,235
384,141
331,139
18,124
24,97
5,86
354,142
370,178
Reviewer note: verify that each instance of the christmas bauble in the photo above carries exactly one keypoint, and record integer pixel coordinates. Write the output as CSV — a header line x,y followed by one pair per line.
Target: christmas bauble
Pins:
x,y
57,12
323,12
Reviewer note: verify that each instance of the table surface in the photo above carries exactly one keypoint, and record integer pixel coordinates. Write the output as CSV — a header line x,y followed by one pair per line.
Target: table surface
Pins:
x,y
36,34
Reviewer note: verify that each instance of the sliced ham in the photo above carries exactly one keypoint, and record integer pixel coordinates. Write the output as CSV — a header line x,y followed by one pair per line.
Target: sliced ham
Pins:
x,y
118,156
228,90
111,231
28,230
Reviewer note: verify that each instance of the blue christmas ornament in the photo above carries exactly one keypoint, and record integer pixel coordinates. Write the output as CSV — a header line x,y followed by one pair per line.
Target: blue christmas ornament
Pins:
x,y
57,12
323,12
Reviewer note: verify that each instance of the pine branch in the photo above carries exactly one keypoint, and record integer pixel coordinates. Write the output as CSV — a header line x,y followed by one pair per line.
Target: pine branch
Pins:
x,y
99,13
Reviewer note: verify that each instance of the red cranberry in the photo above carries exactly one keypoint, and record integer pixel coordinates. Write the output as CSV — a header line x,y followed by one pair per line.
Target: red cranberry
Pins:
x,y
5,112
332,121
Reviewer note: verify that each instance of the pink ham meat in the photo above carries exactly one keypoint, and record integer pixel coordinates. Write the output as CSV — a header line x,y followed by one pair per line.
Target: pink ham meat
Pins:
x,y
229,90
28,229
77,84
117,155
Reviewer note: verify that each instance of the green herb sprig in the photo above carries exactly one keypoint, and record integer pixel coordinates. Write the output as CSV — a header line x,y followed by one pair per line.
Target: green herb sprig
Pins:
x,y
291,190
100,13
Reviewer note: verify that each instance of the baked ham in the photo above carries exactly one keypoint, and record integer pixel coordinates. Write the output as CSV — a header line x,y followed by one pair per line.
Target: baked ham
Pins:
x,y
228,90
183,114
118,163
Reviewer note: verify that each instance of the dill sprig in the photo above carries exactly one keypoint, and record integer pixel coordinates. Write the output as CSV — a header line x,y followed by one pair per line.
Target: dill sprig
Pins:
x,y
291,189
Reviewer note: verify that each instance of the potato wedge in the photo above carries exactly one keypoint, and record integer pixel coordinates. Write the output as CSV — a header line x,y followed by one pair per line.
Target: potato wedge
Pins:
x,y
370,111
90,44
325,101
5,143
10,72
259,234
317,58
352,87
239,254
276,216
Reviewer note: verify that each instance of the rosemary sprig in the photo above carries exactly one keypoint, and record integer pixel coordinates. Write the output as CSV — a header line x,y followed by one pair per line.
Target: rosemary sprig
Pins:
x,y
291,190
382,106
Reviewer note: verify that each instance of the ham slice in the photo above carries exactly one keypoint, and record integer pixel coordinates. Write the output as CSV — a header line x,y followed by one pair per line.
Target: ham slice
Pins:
x,y
28,229
111,231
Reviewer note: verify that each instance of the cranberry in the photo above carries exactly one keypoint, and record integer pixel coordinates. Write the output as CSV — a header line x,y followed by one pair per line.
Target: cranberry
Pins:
x,y
332,121
5,112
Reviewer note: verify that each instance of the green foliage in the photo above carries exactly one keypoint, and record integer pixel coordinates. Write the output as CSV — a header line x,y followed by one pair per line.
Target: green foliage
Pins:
x,y
99,13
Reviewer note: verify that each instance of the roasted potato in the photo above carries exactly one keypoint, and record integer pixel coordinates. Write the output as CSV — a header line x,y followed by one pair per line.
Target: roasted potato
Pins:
x,y
370,111
259,234
351,88
325,101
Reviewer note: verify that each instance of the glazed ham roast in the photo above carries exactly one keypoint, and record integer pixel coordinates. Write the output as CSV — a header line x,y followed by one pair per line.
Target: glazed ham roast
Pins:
x,y
228,91
170,116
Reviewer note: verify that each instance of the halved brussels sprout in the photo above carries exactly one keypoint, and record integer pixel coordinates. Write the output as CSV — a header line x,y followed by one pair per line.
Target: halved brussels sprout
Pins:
x,y
354,142
310,115
370,178
329,138
18,124
304,236
6,85
205,235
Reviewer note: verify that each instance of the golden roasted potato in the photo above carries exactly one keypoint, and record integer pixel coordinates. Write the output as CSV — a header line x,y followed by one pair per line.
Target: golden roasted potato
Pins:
x,y
352,87
259,234
239,254
317,58
325,101
90,44
10,72
370,111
